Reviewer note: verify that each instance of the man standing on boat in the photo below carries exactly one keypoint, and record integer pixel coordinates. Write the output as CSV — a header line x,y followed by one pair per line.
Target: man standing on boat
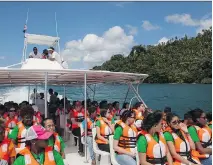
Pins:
x,y
54,56
35,53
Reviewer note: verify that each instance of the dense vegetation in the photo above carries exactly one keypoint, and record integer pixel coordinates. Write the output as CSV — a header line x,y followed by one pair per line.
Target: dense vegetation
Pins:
x,y
185,60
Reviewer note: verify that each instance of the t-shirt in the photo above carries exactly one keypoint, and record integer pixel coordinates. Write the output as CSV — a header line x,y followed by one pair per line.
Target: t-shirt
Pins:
x,y
168,136
32,55
210,126
14,134
142,143
56,56
40,158
118,133
51,142
193,133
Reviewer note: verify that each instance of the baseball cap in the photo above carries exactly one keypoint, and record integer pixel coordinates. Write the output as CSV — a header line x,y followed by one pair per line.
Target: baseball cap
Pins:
x,y
37,132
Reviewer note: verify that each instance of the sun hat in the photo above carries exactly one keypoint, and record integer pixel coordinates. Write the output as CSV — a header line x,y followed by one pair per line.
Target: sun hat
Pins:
x,y
37,132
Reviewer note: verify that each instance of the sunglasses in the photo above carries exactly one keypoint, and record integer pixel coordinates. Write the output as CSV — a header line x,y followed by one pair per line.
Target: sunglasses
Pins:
x,y
176,122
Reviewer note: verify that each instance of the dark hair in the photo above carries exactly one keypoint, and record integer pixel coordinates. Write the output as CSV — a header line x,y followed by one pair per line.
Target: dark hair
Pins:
x,y
52,48
51,90
114,103
91,109
26,110
42,95
124,105
103,104
2,107
187,116
209,116
196,113
103,112
167,109
126,114
43,122
147,112
137,105
34,47
151,120
56,93
169,117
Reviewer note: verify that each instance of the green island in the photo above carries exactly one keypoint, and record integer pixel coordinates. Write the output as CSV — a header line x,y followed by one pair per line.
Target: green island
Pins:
x,y
185,60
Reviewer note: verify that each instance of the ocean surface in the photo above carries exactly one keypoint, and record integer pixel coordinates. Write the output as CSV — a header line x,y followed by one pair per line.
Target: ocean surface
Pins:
x,y
180,97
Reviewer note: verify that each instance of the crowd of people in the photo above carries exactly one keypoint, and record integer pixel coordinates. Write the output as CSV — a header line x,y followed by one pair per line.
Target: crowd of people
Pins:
x,y
158,137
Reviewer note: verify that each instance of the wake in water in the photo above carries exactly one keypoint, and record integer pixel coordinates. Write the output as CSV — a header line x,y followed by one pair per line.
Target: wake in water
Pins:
x,y
19,94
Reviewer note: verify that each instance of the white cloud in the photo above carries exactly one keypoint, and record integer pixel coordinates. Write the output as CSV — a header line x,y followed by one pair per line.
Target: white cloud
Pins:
x,y
121,4
132,29
94,50
148,26
163,40
187,20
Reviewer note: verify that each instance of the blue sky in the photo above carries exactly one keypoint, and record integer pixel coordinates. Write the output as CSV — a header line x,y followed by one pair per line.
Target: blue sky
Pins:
x,y
123,23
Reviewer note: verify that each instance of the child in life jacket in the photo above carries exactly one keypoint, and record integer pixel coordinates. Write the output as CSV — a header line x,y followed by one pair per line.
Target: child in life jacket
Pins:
x,y
12,119
19,131
151,144
201,134
55,140
179,141
7,149
77,116
139,109
90,121
125,139
104,128
37,151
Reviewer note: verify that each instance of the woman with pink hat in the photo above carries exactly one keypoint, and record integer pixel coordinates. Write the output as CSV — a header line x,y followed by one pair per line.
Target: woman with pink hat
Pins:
x,y
37,150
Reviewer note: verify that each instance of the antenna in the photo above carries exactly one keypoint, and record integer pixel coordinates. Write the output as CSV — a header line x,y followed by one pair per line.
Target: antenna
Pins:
x,y
25,46
56,28
27,16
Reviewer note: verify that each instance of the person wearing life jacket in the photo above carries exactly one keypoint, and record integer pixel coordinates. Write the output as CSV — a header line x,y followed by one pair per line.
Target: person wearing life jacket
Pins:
x,y
139,110
151,144
179,141
187,119
37,118
116,109
201,134
209,119
77,116
7,149
125,137
124,108
90,121
37,151
12,119
19,131
55,140
104,128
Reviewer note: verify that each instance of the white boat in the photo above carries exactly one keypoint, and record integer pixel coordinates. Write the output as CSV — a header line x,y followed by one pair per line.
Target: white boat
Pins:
x,y
45,72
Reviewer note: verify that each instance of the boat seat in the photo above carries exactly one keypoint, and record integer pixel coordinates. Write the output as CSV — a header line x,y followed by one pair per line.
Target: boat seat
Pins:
x,y
112,151
96,150
82,131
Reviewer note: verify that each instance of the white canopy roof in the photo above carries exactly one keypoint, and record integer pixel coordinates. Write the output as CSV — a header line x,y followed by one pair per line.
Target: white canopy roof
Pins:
x,y
67,77
41,39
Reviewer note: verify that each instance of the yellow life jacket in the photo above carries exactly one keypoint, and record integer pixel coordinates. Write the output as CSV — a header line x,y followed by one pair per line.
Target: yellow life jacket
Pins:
x,y
129,136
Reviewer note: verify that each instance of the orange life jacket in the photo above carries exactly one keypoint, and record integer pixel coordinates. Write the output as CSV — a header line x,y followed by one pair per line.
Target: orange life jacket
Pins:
x,y
78,116
57,145
4,147
21,135
205,136
90,125
11,123
182,147
105,131
156,151
30,160
129,136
